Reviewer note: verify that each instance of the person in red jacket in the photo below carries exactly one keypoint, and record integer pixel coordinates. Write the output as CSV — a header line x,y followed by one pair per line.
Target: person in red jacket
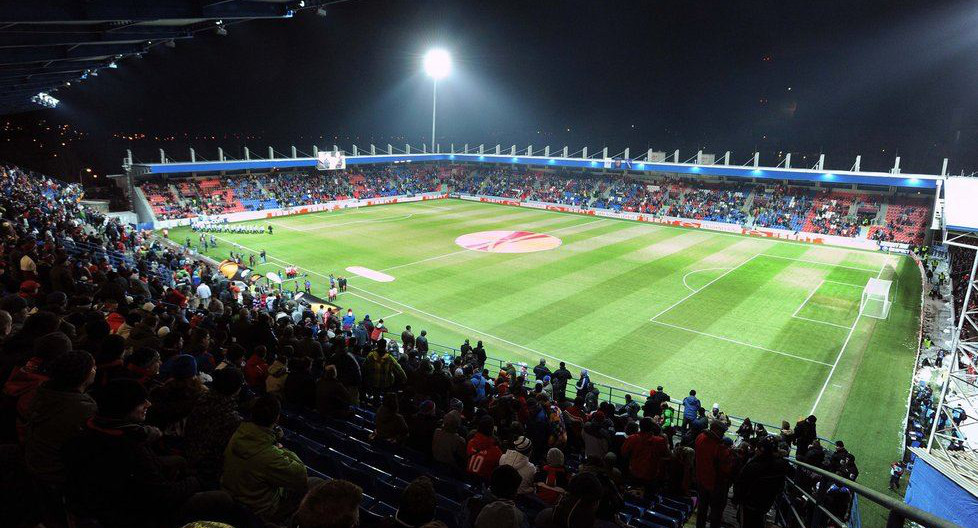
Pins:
x,y
714,465
256,368
646,451
483,450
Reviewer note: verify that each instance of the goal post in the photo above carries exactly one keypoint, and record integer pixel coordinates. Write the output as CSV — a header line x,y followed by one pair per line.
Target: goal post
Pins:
x,y
876,301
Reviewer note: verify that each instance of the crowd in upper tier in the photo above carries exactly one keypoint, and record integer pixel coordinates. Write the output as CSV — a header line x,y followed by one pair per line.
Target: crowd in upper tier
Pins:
x,y
841,213
134,401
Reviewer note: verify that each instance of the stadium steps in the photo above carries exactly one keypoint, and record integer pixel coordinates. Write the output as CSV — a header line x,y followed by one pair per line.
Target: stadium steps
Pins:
x,y
749,203
176,193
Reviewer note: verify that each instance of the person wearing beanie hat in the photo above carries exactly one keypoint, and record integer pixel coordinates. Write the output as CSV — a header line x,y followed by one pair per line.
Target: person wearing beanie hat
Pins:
x,y
58,412
173,401
518,457
111,468
551,480
56,302
211,423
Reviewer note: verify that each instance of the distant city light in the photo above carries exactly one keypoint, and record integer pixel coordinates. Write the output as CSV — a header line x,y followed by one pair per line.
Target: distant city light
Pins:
x,y
45,100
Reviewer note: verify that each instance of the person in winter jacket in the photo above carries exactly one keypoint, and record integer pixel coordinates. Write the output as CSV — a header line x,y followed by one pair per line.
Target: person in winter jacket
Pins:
x,y
174,400
483,450
381,371
518,457
713,462
559,380
541,370
390,425
805,433
653,404
112,473
256,368
583,384
211,423
333,400
551,480
58,413
258,472
646,451
496,508
447,446
278,372
760,482
24,381
691,408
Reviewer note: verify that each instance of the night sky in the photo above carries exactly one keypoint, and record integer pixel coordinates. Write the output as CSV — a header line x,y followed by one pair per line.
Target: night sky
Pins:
x,y
879,78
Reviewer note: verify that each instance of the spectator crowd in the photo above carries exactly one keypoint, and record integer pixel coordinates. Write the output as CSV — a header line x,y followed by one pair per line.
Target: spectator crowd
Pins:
x,y
147,391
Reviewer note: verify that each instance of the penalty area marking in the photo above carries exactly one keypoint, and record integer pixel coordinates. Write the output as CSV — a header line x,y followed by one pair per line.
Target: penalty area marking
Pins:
x,y
843,349
727,339
449,321
697,271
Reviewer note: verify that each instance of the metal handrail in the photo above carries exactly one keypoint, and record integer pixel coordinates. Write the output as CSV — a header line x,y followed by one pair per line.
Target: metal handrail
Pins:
x,y
616,395
899,512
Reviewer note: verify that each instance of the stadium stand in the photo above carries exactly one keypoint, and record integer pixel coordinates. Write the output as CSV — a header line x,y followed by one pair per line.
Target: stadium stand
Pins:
x,y
879,217
143,388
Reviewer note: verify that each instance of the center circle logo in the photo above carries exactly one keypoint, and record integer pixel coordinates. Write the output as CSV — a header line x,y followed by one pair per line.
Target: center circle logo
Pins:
x,y
508,241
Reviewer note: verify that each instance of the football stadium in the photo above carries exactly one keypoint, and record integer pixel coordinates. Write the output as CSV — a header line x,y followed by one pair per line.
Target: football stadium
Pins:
x,y
275,328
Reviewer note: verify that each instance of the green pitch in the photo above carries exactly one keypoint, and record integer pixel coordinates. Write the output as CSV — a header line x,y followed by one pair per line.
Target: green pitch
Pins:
x,y
769,329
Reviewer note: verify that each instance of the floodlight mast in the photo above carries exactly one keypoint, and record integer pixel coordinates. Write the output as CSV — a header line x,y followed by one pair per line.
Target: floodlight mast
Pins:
x,y
437,64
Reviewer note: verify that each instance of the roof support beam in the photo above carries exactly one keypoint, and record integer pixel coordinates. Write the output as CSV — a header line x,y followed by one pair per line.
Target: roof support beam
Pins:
x,y
59,38
103,10
25,55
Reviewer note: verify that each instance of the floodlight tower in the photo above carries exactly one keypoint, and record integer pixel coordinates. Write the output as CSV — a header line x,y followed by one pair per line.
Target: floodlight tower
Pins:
x,y
437,64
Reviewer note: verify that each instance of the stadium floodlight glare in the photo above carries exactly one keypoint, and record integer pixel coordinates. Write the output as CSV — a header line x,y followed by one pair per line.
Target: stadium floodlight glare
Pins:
x,y
437,64
113,65
45,100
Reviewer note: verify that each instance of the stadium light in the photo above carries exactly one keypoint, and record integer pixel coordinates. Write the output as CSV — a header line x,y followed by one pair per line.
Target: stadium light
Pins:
x,y
45,100
437,64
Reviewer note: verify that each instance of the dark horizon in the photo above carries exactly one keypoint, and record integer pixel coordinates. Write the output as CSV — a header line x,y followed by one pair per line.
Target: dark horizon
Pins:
x,y
879,79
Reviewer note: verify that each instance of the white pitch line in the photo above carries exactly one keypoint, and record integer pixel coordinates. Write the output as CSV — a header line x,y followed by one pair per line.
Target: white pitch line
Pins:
x,y
449,321
845,283
722,275
818,262
742,343
807,299
697,271
843,349
819,322
395,314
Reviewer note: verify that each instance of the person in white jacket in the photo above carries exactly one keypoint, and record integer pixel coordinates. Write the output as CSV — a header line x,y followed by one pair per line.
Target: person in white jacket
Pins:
x,y
517,457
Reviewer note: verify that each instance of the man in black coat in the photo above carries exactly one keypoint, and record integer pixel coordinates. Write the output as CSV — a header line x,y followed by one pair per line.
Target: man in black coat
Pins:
x,y
760,483
113,474
559,380
653,404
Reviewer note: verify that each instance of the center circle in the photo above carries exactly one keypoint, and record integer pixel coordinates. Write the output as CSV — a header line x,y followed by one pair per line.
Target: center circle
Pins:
x,y
508,241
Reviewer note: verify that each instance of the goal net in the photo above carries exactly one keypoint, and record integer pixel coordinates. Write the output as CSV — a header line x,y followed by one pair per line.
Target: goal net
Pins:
x,y
876,299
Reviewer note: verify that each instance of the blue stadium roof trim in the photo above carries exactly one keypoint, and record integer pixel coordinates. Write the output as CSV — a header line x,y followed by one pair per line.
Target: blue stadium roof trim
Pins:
x,y
911,181
46,44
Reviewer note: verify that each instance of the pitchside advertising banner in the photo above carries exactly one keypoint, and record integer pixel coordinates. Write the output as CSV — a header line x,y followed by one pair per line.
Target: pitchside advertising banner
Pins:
x,y
330,160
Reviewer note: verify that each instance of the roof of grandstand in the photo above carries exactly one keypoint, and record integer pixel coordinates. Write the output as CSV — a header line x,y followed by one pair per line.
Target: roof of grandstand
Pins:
x,y
47,45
